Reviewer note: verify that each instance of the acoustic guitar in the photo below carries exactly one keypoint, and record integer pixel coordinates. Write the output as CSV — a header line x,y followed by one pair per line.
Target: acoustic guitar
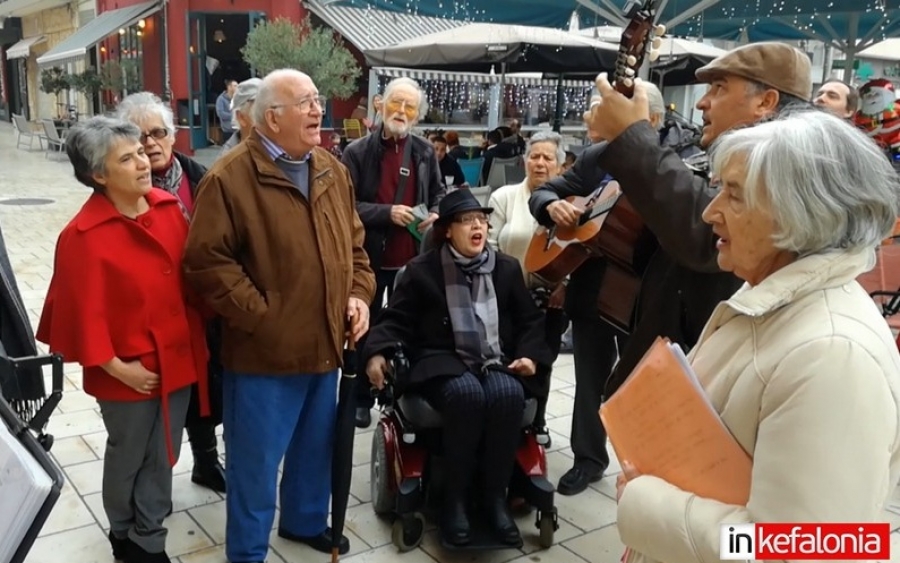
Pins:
x,y
609,226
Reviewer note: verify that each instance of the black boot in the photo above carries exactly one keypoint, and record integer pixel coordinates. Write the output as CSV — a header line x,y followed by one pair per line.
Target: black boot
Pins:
x,y
136,554
500,519
208,472
119,547
454,522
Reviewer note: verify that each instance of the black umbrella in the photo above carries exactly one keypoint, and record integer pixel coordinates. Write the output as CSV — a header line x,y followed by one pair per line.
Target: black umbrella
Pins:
x,y
342,454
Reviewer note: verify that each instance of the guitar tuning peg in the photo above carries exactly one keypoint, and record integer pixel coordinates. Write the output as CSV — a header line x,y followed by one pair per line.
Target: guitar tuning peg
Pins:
x,y
657,43
659,30
632,60
628,82
629,72
653,55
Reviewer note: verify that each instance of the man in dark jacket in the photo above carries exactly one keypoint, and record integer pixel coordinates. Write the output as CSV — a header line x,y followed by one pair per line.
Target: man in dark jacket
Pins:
x,y
682,282
393,171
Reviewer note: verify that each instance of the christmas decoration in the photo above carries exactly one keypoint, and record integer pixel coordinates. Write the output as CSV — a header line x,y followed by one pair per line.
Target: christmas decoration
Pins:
x,y
879,114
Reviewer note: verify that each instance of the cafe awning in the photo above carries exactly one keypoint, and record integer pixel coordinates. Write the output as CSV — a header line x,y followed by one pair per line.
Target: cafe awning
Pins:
x,y
76,45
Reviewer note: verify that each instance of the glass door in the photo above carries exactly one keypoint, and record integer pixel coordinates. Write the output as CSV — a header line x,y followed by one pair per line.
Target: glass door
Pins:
x,y
196,111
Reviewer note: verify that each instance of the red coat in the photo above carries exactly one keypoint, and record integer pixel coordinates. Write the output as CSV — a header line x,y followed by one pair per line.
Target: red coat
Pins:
x,y
118,291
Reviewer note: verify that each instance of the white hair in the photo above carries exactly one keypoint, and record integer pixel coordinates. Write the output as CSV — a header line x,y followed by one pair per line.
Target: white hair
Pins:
x,y
269,92
547,137
141,105
409,82
656,102
824,182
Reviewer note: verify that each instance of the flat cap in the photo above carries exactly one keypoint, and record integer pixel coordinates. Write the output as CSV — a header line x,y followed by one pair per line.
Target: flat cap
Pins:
x,y
777,65
246,92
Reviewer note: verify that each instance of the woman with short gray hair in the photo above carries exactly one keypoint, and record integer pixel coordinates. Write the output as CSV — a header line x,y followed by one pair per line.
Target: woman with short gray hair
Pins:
x,y
512,227
799,363
180,175
116,306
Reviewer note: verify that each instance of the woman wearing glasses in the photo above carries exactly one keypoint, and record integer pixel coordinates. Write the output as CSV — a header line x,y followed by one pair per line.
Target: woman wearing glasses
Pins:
x,y
179,175
471,330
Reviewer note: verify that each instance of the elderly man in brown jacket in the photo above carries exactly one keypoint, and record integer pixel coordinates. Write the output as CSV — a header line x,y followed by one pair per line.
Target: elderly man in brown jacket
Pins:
x,y
276,249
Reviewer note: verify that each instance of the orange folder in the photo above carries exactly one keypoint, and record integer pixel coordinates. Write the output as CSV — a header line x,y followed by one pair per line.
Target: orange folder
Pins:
x,y
661,421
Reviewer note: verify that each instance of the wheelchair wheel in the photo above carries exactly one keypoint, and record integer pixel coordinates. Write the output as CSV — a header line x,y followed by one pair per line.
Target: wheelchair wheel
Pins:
x,y
383,501
547,526
407,531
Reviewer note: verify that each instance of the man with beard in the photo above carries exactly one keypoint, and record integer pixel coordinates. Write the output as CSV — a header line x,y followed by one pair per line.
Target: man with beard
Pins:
x,y
682,282
393,171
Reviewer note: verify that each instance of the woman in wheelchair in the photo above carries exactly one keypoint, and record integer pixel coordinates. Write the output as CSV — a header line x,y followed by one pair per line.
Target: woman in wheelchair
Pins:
x,y
474,337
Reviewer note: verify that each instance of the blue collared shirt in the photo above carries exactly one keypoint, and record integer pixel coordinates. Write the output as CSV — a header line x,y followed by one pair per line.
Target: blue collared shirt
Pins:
x,y
297,171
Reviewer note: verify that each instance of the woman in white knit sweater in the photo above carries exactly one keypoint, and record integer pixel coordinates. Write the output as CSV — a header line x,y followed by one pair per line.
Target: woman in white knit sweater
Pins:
x,y
512,227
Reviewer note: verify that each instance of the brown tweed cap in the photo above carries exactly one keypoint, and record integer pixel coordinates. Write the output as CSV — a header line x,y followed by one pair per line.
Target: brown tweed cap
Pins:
x,y
777,65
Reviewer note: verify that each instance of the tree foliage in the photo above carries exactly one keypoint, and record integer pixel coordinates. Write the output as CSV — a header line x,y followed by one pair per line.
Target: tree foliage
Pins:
x,y
317,51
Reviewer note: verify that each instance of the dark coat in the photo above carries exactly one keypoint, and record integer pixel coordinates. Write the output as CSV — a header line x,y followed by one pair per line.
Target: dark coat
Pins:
x,y
418,317
363,159
682,282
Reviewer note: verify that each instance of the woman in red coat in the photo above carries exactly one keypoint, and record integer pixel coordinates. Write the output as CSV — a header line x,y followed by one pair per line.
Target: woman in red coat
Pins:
x,y
116,305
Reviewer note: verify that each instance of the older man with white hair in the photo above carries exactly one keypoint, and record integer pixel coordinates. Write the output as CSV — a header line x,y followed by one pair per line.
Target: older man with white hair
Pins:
x,y
276,249
393,172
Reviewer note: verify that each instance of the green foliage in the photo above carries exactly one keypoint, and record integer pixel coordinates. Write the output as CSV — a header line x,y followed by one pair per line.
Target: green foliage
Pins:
x,y
119,76
314,50
88,82
54,81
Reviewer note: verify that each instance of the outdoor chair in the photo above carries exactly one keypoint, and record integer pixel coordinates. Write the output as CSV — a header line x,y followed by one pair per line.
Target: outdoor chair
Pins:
x,y
55,143
24,132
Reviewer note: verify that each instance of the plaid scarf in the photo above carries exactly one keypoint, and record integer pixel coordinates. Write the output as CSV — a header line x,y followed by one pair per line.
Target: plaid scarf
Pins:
x,y
472,303
170,181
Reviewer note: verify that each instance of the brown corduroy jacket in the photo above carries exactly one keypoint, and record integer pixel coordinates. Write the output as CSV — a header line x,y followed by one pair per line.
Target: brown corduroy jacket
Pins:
x,y
279,269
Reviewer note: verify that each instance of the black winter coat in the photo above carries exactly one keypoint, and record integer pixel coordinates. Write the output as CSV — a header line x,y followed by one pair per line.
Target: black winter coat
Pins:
x,y
418,318
682,283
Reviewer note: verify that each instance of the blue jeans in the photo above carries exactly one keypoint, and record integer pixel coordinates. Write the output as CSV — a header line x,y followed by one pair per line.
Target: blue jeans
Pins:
x,y
267,418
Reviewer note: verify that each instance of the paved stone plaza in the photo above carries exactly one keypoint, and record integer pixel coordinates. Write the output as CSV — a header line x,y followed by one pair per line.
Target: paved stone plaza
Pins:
x,y
76,530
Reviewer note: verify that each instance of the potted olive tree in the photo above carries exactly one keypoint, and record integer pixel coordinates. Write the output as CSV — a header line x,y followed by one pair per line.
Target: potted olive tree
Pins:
x,y
316,50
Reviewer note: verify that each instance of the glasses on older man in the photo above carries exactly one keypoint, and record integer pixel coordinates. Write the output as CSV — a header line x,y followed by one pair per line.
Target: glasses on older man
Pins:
x,y
393,105
158,133
472,218
305,104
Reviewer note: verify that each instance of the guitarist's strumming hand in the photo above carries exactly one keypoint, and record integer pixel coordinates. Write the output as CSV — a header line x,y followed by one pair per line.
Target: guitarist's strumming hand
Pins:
x,y
613,113
564,214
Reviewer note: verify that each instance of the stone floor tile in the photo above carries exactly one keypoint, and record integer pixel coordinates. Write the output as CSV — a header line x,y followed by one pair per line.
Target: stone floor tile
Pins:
x,y
66,425
87,477
295,552
217,555
185,535
599,546
81,545
431,545
187,495
70,451
70,512
389,554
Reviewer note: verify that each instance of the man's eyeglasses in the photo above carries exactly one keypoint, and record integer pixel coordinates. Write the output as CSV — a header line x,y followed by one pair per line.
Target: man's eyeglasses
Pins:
x,y
472,218
158,133
409,108
305,104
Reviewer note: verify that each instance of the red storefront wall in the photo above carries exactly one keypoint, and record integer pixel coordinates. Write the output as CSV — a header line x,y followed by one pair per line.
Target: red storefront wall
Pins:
x,y
176,33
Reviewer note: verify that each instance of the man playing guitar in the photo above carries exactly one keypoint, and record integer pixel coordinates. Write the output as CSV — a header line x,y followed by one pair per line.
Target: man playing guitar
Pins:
x,y
682,282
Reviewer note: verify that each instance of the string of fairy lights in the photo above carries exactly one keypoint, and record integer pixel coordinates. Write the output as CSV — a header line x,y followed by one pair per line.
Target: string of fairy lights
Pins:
x,y
809,19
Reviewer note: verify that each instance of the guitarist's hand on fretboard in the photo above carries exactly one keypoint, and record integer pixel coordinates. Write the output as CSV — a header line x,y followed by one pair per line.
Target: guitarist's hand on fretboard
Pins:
x,y
613,113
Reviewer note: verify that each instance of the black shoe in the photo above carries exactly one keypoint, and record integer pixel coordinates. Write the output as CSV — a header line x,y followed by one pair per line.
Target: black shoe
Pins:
x,y
119,547
363,417
136,554
577,480
322,542
455,523
502,522
209,473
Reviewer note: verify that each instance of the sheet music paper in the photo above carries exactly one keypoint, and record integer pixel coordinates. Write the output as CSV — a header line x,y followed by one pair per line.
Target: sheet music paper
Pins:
x,y
662,422
24,486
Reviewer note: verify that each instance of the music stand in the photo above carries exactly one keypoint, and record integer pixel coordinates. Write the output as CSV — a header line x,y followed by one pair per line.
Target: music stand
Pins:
x,y
36,445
